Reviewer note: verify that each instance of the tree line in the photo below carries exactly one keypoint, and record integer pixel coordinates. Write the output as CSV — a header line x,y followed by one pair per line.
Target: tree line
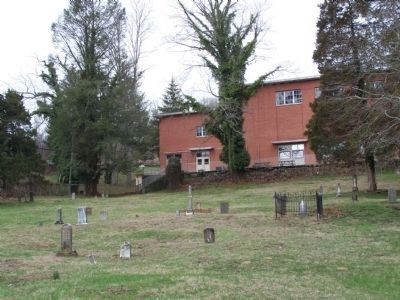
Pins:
x,y
96,114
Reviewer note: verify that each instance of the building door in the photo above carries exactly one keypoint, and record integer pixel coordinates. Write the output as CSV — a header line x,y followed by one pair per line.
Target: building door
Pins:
x,y
203,161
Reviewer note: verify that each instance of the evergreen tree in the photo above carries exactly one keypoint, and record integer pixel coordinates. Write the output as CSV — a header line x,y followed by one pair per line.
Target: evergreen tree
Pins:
x,y
172,100
18,155
84,106
343,55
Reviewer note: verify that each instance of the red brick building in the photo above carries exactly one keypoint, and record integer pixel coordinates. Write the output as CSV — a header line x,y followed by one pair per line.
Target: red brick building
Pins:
x,y
275,119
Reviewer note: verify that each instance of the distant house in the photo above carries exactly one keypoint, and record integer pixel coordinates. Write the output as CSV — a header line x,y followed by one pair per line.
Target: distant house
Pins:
x,y
275,119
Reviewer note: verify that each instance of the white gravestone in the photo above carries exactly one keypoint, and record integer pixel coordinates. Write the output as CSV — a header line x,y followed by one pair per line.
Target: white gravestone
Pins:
x,y
189,210
338,191
82,218
125,250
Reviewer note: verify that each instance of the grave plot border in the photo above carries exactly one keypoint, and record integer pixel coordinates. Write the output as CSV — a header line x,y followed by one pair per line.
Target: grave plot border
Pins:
x,y
298,204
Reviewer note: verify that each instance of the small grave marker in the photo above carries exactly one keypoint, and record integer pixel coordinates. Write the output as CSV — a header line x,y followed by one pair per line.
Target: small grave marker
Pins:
x,y
82,218
103,215
88,211
392,195
73,196
92,259
177,213
224,207
59,219
209,235
125,250
338,191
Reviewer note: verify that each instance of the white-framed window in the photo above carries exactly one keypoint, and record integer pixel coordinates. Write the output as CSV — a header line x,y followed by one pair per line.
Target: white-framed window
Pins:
x,y
201,131
203,153
289,97
290,152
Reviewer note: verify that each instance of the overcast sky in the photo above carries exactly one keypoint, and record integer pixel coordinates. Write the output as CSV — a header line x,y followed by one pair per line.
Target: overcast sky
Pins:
x,y
289,41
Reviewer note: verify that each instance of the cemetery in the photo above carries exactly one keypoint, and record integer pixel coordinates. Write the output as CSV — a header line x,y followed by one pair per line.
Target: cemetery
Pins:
x,y
289,239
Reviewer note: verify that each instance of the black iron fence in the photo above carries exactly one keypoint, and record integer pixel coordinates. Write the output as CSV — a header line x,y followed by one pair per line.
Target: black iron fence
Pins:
x,y
298,204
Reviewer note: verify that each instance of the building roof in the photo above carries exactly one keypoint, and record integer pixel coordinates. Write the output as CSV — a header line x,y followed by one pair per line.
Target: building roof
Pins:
x,y
177,113
295,79
270,82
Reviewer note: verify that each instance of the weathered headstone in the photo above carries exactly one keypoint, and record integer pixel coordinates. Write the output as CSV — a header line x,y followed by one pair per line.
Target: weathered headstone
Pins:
x,y
88,211
82,218
189,210
338,190
209,235
73,196
66,241
103,215
224,207
92,259
59,219
302,209
177,213
125,250
392,195
321,190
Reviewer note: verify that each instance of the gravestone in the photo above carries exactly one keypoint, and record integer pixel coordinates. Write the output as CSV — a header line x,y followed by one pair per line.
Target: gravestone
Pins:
x,y
82,218
66,241
189,210
392,195
354,190
321,190
73,196
92,259
302,209
224,207
103,215
125,250
88,211
177,213
198,205
209,235
338,190
59,219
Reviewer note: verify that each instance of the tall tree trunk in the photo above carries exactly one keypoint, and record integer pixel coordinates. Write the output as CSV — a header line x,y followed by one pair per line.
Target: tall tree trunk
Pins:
x,y
91,188
370,163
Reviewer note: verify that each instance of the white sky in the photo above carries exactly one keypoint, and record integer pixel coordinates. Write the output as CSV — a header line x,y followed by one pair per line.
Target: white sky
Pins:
x,y
26,40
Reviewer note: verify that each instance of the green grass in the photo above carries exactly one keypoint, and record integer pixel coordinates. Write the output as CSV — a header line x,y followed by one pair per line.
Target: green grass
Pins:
x,y
353,253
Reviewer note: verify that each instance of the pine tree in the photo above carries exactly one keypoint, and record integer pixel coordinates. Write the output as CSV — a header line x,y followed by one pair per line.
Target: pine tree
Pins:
x,y
172,100
18,155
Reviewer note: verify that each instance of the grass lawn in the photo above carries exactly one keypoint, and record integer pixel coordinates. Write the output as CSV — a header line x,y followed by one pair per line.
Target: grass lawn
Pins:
x,y
353,253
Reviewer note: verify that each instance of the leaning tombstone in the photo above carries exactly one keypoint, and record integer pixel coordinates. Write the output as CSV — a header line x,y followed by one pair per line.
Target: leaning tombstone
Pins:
x,y
66,241
392,195
82,218
338,190
59,219
125,250
224,207
189,210
209,235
